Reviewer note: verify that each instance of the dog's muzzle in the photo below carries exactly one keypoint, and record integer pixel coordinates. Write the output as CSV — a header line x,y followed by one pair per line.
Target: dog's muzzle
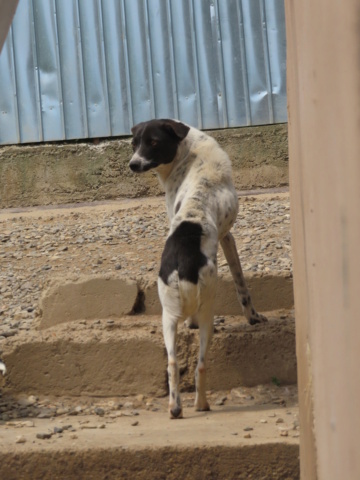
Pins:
x,y
135,165
138,164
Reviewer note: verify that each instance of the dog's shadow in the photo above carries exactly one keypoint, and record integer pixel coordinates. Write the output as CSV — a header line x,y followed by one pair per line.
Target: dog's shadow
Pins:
x,y
229,409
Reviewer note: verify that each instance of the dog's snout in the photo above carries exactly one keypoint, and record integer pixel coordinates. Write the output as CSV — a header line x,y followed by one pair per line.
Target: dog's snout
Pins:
x,y
135,165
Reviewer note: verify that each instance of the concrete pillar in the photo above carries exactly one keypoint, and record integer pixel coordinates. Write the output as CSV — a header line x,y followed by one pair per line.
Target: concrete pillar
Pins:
x,y
7,11
323,61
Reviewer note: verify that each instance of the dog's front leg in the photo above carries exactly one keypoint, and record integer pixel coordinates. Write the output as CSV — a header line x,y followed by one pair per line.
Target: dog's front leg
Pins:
x,y
170,334
230,251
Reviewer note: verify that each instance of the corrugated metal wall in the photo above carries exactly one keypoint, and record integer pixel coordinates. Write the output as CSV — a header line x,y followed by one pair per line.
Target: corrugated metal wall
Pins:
x,y
93,68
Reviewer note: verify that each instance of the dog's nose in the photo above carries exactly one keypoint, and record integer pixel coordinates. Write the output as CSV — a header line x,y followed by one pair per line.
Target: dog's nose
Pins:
x,y
135,165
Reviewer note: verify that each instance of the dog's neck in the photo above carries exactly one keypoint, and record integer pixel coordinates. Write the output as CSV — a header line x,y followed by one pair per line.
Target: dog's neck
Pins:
x,y
172,175
164,171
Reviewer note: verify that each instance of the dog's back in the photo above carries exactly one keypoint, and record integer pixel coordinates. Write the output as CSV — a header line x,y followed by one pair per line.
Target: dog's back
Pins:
x,y
199,187
202,205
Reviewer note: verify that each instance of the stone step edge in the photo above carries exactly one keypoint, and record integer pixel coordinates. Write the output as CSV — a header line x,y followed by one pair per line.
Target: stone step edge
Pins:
x,y
124,359
271,460
100,297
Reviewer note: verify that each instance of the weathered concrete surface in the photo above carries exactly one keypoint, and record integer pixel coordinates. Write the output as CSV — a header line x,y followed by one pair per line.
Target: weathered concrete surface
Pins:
x,y
88,298
103,297
44,174
207,445
127,357
272,461
269,292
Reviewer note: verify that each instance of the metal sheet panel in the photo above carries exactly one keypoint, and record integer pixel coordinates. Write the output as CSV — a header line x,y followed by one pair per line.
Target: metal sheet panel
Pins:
x,y
275,21
233,56
71,69
9,125
25,87
117,68
185,62
95,75
92,68
48,69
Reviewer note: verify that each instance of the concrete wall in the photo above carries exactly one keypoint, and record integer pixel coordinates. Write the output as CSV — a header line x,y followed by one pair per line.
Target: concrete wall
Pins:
x,y
55,173
324,117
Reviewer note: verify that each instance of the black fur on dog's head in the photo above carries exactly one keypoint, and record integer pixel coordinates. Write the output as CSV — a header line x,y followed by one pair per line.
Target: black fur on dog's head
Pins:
x,y
156,143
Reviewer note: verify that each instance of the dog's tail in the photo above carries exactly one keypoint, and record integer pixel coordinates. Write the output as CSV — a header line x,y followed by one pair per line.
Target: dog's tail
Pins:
x,y
2,367
189,297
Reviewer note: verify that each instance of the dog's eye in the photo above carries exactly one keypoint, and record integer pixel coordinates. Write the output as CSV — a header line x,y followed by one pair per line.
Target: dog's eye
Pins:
x,y
153,143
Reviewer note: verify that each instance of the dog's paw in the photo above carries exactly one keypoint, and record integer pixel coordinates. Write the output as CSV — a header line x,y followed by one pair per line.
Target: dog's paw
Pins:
x,y
202,406
175,412
257,318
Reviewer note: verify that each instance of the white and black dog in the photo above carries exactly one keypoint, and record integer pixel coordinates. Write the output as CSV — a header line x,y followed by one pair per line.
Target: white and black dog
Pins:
x,y
202,206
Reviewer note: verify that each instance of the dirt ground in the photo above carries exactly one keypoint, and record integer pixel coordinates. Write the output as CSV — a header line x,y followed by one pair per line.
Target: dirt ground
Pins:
x,y
123,239
101,262
251,432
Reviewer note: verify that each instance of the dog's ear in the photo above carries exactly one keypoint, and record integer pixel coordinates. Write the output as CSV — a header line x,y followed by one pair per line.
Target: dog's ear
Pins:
x,y
180,130
137,127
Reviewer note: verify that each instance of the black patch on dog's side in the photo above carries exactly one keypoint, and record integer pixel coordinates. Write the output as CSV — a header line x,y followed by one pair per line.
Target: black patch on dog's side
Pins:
x,y
182,253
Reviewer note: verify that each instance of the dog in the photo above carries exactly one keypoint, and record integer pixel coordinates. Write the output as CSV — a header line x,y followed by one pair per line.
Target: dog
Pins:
x,y
202,206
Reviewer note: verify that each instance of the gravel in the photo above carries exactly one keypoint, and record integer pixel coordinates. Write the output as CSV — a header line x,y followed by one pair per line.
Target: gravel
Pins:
x,y
71,413
39,245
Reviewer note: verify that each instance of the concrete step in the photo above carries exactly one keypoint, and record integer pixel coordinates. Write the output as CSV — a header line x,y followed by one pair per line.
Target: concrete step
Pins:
x,y
109,297
127,356
84,343
233,441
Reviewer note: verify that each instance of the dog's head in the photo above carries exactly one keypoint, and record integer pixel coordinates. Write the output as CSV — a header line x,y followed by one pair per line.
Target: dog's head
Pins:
x,y
155,143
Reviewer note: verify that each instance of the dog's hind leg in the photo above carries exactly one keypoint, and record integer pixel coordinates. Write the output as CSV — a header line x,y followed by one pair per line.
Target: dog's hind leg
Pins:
x,y
170,334
230,251
171,314
206,328
191,323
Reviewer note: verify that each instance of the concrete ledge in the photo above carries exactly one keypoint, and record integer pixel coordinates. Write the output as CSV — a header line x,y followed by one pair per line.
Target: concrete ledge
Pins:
x,y
127,357
269,292
103,297
56,173
267,461
87,298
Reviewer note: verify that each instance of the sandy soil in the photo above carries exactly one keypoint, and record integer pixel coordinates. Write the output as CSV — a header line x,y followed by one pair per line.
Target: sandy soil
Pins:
x,y
246,435
136,439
